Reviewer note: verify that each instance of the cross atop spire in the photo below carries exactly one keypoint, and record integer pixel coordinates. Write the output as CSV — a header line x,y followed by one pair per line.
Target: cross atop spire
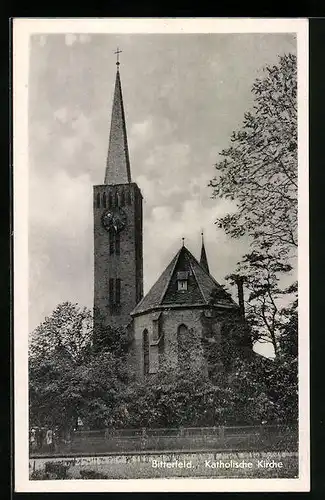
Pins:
x,y
203,258
118,52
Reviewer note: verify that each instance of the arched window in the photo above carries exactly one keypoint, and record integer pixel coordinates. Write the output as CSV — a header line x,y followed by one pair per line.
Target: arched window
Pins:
x,y
110,200
122,198
182,343
145,346
104,200
98,200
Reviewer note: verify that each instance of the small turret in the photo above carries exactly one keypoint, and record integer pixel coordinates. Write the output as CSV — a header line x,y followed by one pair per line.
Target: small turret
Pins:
x,y
203,258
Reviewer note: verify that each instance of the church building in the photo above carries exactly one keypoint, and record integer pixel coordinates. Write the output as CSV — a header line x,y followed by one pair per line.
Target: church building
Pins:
x,y
186,317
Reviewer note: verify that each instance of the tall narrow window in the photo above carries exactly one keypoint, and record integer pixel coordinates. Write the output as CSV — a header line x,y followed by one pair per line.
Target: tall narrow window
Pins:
x,y
104,200
182,343
116,199
117,291
114,243
117,243
111,242
145,339
110,200
122,198
111,292
129,198
98,200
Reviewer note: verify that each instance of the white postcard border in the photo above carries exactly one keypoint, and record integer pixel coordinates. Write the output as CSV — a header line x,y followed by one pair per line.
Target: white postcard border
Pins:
x,y
22,29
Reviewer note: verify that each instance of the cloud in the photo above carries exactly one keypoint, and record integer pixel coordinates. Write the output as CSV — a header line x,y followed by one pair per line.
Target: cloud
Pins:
x,y
142,131
74,135
166,163
165,174
61,115
56,205
160,244
71,38
198,186
168,175
60,242
166,88
42,40
82,125
84,38
149,129
39,134
77,120
70,146
169,157
177,123
148,189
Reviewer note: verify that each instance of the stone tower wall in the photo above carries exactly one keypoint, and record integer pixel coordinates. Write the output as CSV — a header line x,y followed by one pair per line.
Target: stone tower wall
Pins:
x,y
127,266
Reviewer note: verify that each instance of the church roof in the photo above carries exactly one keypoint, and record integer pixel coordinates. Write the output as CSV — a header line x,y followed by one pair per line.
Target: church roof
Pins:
x,y
118,163
200,285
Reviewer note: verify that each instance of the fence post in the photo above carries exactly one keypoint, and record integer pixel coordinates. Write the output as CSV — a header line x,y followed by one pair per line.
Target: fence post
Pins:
x,y
143,438
221,432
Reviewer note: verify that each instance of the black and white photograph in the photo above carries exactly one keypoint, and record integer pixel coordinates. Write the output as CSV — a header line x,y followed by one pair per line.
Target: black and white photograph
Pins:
x,y
161,336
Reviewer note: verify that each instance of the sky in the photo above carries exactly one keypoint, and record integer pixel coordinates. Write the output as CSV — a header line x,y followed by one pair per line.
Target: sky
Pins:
x,y
183,95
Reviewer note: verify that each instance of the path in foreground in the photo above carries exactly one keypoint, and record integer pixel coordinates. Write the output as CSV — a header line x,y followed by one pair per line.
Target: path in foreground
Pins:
x,y
169,464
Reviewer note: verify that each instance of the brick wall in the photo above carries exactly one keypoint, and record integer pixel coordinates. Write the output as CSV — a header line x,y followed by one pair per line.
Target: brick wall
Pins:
x,y
167,325
127,266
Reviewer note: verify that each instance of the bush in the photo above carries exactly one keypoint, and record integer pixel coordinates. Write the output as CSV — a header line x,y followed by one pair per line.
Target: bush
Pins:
x,y
56,470
39,475
91,474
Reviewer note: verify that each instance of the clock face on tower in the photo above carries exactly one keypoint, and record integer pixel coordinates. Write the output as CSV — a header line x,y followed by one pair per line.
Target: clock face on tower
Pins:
x,y
114,220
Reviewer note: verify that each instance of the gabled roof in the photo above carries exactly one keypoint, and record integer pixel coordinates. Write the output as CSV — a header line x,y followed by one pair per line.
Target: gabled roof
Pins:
x,y
200,284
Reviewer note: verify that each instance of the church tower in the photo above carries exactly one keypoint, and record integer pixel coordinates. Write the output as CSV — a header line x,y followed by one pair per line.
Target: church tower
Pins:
x,y
117,208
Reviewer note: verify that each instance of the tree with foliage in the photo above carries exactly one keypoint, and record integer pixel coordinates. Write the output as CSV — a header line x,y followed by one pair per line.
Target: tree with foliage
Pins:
x,y
288,339
96,385
259,170
50,377
68,329
263,391
259,173
253,392
68,378
115,340
266,315
182,397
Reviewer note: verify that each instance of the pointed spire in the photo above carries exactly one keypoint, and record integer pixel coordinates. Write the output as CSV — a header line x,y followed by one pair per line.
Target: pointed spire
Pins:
x,y
203,258
118,163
